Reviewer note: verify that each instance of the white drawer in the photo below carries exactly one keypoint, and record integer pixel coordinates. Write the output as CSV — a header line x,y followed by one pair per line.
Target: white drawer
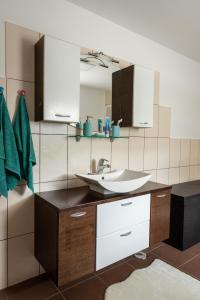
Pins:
x,y
115,215
121,244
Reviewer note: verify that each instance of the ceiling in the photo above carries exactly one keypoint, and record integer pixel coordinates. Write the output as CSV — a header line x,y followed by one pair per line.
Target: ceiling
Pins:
x,y
172,23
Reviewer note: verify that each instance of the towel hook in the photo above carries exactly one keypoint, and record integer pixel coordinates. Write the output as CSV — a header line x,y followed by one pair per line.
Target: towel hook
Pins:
x,y
21,92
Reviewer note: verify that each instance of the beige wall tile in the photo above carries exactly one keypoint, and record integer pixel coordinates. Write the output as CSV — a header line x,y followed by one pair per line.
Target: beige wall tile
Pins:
x,y
120,154
175,152
12,88
21,211
194,172
36,144
73,183
163,176
153,132
53,158
184,174
153,173
20,52
78,156
163,153
101,148
22,264
3,83
194,152
164,122
174,176
53,185
124,131
150,153
3,265
3,218
53,128
185,152
156,88
136,153
136,132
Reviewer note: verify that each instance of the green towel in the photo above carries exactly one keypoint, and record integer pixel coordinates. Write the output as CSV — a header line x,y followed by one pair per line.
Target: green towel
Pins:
x,y
9,160
24,142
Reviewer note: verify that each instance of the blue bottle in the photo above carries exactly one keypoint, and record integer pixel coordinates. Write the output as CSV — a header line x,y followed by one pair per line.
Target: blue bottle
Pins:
x,y
87,127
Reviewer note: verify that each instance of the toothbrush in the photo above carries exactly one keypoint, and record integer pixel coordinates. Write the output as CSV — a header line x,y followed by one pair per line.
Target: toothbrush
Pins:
x,y
119,122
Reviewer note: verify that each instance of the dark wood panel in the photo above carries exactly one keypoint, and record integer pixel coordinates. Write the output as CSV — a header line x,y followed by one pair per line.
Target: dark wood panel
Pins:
x,y
77,242
46,237
39,78
160,217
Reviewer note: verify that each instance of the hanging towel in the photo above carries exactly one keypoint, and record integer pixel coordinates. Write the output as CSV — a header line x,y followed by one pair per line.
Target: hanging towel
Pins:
x,y
9,160
24,142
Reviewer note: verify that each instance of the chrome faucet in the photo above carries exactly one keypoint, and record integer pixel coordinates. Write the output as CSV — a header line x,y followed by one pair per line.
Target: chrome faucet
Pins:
x,y
102,164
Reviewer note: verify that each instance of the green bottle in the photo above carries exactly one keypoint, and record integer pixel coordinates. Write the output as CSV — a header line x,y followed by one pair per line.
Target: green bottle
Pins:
x,y
87,127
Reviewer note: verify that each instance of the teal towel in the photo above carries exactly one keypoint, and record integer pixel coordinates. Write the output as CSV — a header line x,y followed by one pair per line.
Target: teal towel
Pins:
x,y
24,142
9,160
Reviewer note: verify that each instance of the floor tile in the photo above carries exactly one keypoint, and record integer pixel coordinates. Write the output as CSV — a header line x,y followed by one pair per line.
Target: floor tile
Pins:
x,y
137,263
34,289
76,282
93,289
3,295
195,250
172,255
192,267
116,274
57,296
118,263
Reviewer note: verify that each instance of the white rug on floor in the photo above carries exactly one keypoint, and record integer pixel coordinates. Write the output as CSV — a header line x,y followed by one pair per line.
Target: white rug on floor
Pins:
x,y
159,281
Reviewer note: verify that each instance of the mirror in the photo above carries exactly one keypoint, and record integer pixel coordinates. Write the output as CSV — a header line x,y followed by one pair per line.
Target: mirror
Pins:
x,y
96,69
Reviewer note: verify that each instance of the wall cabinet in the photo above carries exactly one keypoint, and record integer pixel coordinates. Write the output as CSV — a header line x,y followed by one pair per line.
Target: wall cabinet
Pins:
x,y
132,96
78,233
57,78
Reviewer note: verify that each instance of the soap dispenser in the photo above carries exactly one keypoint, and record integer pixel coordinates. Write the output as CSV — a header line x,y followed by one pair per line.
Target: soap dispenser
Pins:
x,y
87,127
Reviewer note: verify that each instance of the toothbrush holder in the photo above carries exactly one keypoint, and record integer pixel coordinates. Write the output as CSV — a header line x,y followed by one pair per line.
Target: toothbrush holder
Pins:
x,y
115,131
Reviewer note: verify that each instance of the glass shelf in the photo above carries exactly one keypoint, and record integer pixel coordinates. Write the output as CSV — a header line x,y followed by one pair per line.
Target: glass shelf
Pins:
x,y
78,137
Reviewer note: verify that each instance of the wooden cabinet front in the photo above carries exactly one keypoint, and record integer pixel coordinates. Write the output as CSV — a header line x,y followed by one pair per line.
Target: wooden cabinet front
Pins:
x,y
160,216
77,235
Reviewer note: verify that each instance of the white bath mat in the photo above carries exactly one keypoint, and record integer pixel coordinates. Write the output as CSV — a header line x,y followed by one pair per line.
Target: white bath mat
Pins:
x,y
159,281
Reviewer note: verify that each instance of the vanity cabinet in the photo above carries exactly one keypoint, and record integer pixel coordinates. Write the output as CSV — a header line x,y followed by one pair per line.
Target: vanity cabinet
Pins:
x,y
132,96
78,232
57,80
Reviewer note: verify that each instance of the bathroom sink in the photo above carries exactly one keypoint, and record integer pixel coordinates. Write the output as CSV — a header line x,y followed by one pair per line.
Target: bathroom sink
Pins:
x,y
118,181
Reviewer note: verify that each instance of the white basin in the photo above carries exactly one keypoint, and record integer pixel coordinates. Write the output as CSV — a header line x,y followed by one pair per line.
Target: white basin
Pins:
x,y
118,181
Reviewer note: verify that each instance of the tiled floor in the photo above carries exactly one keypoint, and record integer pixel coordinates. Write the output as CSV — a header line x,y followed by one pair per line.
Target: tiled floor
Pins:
x,y
93,287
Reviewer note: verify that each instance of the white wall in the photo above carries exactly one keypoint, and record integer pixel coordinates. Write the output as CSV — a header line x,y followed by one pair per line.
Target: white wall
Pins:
x,y
180,86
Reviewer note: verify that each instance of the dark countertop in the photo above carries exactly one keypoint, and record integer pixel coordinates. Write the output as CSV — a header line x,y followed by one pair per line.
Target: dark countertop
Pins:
x,y
186,189
82,196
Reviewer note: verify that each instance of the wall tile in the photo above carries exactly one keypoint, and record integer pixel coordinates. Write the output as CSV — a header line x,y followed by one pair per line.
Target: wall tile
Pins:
x,y
164,122
153,173
78,156
21,210
174,176
136,153
150,153
20,52
163,176
52,128
53,185
185,152
153,132
184,174
12,99
194,152
22,264
156,88
3,83
124,131
175,152
3,218
194,172
53,158
163,153
136,132
3,265
120,154
101,148
36,144
73,183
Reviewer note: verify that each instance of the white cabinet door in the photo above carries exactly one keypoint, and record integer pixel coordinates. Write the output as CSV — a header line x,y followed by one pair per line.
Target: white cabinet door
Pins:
x,y
143,97
119,214
121,244
61,81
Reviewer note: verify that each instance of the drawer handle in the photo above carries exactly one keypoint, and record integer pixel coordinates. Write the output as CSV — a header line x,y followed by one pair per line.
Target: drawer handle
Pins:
x,y
161,196
144,123
78,214
126,234
126,204
63,115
